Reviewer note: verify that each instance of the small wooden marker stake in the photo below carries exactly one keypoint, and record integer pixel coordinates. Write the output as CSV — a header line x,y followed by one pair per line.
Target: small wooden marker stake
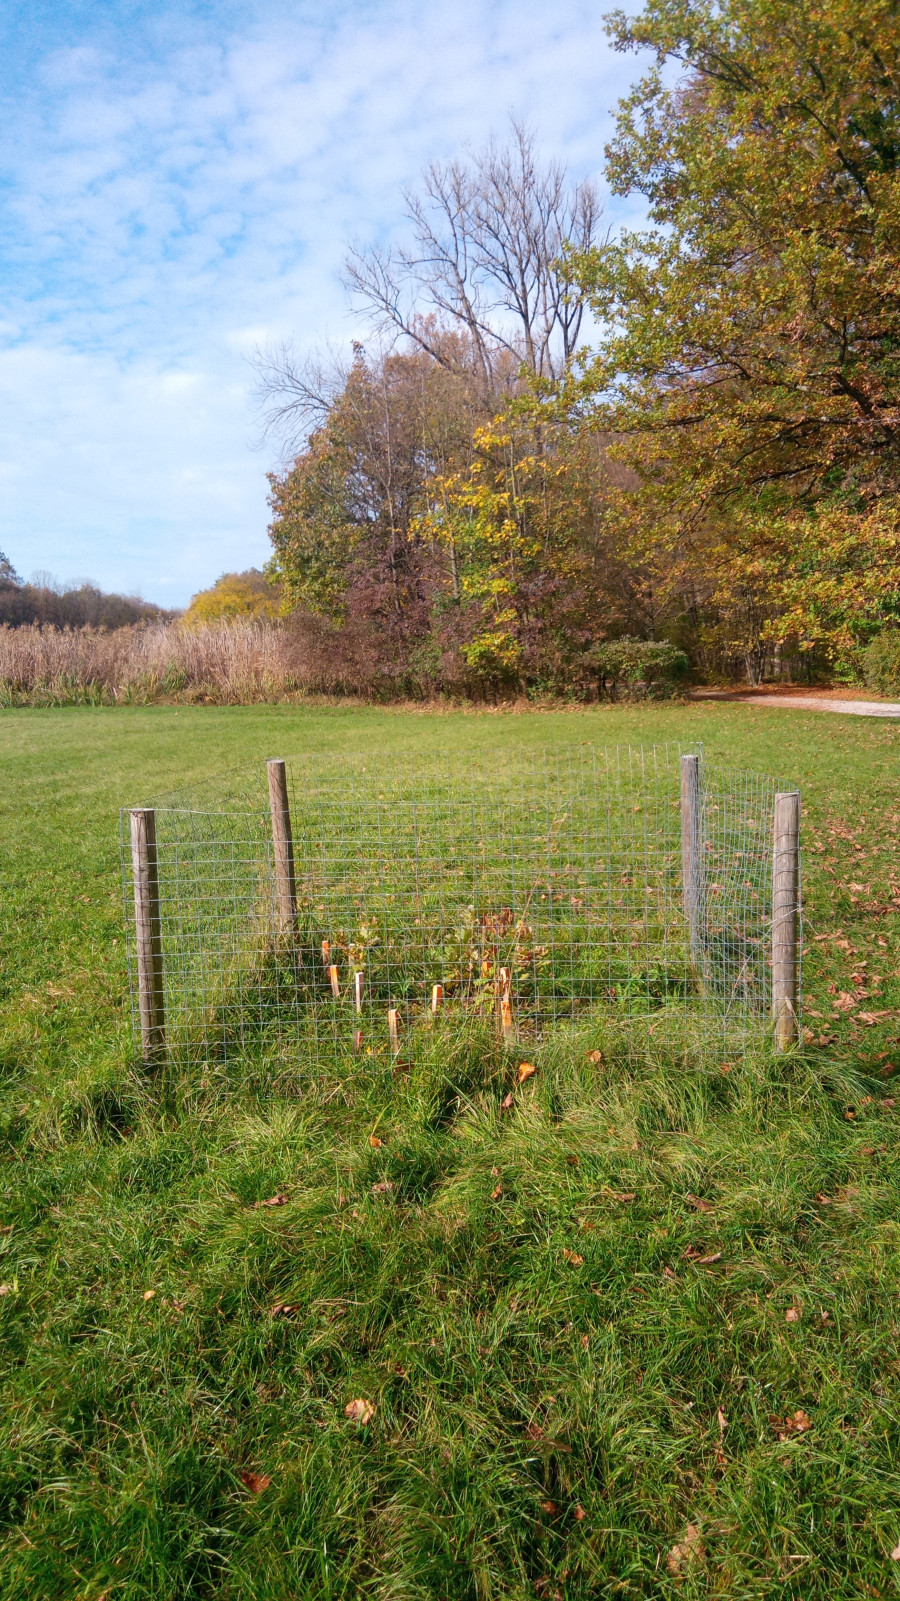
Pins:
x,y
359,984
326,953
506,1020
283,843
335,982
148,933
357,1039
394,1029
437,995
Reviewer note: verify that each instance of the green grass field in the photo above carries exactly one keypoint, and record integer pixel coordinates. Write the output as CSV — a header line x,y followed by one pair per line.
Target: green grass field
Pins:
x,y
637,1335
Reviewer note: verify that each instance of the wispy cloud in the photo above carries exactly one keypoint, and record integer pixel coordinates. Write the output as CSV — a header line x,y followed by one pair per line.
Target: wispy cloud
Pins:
x,y
175,192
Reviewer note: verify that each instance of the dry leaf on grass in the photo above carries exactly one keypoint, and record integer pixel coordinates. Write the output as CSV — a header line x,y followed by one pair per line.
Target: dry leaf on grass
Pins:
x,y
573,1257
149,1294
273,1200
5,1289
624,1197
496,1194
375,1142
689,1548
595,1056
793,1314
549,1506
255,1482
359,1411
284,1309
700,1258
721,1419
525,1071
384,1188
698,1203
573,1159
791,1424
895,1554
579,1513
507,1103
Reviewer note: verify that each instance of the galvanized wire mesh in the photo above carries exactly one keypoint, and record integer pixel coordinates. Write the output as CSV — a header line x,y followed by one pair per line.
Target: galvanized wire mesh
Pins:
x,y
517,893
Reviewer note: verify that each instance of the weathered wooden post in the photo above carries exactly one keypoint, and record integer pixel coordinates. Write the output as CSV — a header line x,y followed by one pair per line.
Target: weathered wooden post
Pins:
x,y
692,865
283,842
786,918
148,933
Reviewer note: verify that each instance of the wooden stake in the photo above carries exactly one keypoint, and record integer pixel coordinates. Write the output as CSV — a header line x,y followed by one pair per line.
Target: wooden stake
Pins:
x,y
335,982
786,918
283,842
357,1039
394,1029
148,933
326,953
691,855
359,984
506,1020
437,995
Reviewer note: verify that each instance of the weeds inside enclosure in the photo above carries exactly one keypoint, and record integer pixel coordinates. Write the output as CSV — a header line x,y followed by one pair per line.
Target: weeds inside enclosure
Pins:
x,y
506,898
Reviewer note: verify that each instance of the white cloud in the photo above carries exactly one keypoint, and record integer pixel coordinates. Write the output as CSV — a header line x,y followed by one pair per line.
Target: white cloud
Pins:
x,y
168,209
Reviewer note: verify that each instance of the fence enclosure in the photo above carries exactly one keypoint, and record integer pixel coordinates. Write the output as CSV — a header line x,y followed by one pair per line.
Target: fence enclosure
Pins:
x,y
372,901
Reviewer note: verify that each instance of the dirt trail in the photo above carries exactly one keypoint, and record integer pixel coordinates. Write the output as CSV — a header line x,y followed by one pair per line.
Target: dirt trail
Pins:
x,y
807,703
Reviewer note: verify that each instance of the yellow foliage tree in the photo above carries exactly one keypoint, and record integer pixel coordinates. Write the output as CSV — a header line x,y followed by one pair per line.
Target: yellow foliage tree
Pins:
x,y
233,595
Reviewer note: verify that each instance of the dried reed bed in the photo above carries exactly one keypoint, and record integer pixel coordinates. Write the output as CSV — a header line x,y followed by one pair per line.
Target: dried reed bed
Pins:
x,y
230,662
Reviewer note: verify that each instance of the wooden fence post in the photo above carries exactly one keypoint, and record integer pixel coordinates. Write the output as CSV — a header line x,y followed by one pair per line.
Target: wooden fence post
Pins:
x,y
283,841
692,864
148,932
786,918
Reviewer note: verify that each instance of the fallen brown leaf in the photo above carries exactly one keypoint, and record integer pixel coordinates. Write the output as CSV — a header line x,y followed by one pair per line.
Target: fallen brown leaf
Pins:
x,y
526,1070
687,1550
255,1482
887,1103
534,1431
698,1203
149,1294
572,1159
585,1342
383,1188
844,1002
595,1056
895,1554
699,1259
375,1142
721,1419
579,1513
273,1200
624,1197
284,1309
793,1314
573,1257
549,1506
507,1102
496,1194
790,1424
359,1411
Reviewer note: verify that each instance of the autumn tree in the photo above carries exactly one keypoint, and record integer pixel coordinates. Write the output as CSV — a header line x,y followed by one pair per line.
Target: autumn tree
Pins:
x,y
750,360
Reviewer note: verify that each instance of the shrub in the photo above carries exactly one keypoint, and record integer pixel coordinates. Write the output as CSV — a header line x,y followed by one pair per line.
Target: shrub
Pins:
x,y
881,662
639,669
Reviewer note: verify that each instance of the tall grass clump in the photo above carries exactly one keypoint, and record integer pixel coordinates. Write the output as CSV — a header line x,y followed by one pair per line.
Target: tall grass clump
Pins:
x,y
224,662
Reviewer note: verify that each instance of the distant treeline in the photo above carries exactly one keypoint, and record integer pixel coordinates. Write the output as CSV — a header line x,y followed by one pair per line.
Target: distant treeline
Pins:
x,y
81,605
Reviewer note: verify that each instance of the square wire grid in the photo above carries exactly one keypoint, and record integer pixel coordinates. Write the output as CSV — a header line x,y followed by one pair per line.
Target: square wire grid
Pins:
x,y
517,892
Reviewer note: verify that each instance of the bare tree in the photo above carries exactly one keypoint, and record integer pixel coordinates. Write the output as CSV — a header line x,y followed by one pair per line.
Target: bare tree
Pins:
x,y
295,394
488,257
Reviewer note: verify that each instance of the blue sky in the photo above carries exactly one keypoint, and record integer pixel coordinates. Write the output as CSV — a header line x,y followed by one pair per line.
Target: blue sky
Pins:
x,y
178,186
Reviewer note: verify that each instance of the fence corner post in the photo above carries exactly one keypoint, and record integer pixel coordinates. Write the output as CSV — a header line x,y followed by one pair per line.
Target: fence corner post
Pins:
x,y
691,860
786,918
148,932
283,842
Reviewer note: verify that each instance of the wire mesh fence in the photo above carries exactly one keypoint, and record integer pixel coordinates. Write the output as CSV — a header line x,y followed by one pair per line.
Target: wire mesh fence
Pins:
x,y
371,902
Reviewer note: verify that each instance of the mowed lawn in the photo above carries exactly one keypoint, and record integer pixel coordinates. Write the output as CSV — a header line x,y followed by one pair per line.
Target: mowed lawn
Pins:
x,y
638,1335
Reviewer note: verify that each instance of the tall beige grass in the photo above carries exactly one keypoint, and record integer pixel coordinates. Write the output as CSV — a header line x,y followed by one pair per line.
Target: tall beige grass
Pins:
x,y
224,662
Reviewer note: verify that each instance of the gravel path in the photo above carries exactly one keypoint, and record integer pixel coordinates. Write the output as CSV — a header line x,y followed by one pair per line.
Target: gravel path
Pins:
x,y
819,703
